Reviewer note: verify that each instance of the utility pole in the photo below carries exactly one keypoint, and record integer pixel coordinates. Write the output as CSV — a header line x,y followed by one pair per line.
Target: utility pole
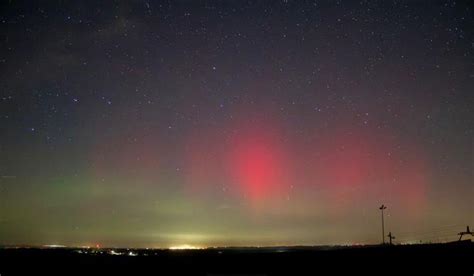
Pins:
x,y
391,237
383,207
468,232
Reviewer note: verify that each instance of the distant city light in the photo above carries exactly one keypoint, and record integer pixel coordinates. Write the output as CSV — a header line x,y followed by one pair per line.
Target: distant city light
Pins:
x,y
54,245
113,252
185,247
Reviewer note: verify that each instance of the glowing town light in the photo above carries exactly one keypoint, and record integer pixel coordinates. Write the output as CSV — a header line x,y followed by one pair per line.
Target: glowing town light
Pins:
x,y
54,245
185,247
113,252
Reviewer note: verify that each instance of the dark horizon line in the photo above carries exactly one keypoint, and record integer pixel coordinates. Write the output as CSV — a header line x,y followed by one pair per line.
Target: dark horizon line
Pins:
x,y
226,247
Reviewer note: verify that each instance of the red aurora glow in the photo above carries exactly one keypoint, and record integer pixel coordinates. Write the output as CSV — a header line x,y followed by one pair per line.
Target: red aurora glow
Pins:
x,y
257,163
345,165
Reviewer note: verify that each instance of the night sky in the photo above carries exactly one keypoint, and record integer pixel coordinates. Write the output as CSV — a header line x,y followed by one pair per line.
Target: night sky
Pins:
x,y
224,123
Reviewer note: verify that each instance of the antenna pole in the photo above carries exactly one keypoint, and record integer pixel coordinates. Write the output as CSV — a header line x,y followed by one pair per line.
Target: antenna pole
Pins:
x,y
391,237
383,207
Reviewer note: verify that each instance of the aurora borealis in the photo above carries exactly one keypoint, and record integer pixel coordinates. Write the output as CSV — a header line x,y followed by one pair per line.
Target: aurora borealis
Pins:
x,y
229,123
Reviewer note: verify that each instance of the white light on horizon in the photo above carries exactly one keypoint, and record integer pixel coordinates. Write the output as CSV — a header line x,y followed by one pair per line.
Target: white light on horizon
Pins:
x,y
54,245
185,247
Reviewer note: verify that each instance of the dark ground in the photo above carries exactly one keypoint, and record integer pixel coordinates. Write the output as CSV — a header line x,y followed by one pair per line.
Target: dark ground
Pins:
x,y
428,259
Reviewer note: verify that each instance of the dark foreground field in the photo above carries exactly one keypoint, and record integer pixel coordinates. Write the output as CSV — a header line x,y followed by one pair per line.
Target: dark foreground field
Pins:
x,y
429,259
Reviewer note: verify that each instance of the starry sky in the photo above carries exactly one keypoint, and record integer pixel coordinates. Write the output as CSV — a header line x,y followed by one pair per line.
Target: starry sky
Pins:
x,y
227,123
